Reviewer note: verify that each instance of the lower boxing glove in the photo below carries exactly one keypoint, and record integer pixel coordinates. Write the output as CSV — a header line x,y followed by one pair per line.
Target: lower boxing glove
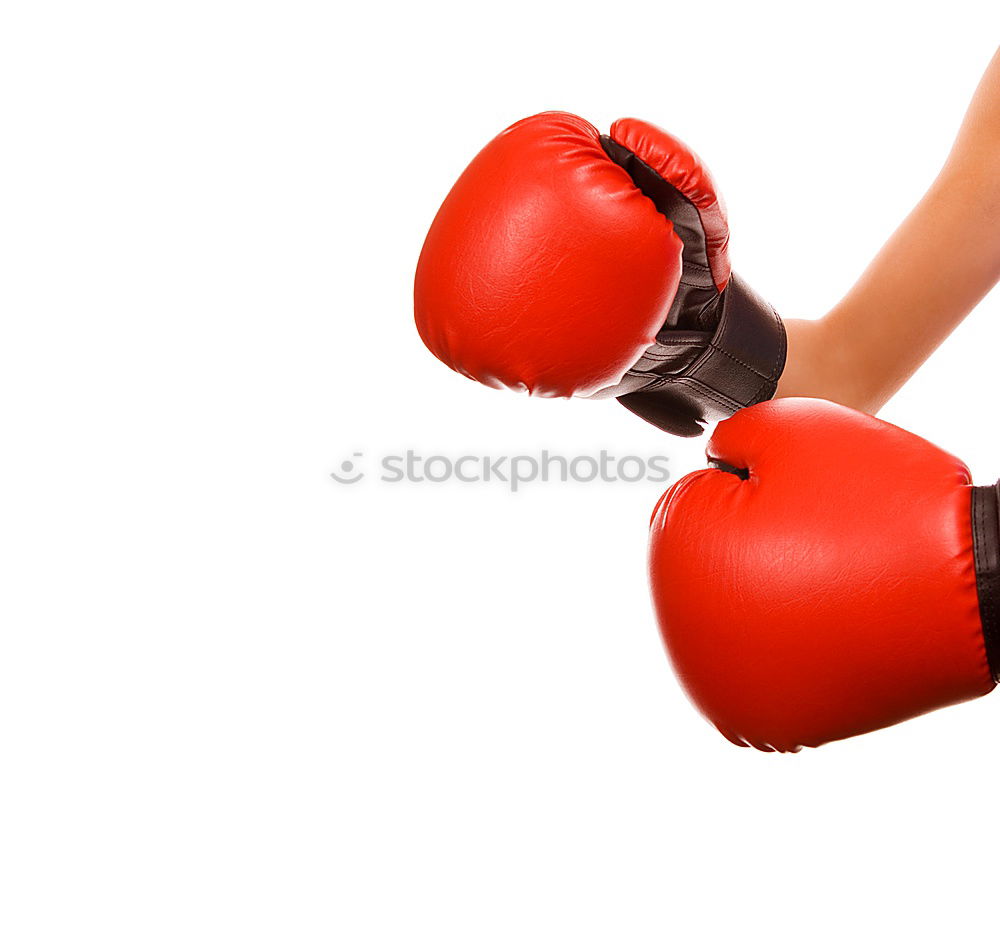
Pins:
x,y
830,575
565,262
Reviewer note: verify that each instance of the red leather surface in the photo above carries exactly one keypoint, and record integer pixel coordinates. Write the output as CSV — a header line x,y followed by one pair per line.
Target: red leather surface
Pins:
x,y
673,160
545,269
831,593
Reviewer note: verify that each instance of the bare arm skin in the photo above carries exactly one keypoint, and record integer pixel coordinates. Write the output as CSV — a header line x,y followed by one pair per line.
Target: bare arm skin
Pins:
x,y
932,272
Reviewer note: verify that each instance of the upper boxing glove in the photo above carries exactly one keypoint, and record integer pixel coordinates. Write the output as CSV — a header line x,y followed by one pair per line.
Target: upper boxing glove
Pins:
x,y
831,575
569,263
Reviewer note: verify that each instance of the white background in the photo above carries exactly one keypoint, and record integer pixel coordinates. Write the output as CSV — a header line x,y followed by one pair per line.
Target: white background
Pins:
x,y
241,702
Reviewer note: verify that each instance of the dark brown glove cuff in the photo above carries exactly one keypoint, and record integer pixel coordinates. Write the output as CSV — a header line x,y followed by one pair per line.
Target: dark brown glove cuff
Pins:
x,y
986,551
689,378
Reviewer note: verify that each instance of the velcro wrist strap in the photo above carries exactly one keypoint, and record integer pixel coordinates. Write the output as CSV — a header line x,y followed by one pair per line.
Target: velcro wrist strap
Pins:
x,y
736,366
986,552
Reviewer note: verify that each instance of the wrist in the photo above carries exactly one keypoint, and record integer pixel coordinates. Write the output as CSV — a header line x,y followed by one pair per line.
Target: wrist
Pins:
x,y
821,365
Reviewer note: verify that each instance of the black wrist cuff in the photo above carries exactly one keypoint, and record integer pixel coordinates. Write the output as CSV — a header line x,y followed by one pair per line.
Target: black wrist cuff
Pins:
x,y
986,552
688,378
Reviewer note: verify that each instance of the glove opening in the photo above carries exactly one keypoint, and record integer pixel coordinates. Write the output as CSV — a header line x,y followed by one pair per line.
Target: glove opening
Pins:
x,y
742,473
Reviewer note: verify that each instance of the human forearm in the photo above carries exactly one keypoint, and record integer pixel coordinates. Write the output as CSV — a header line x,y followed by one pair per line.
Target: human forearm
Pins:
x,y
932,272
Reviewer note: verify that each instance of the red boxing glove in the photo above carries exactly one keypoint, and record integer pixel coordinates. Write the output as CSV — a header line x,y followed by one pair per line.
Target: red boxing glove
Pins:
x,y
831,575
569,263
